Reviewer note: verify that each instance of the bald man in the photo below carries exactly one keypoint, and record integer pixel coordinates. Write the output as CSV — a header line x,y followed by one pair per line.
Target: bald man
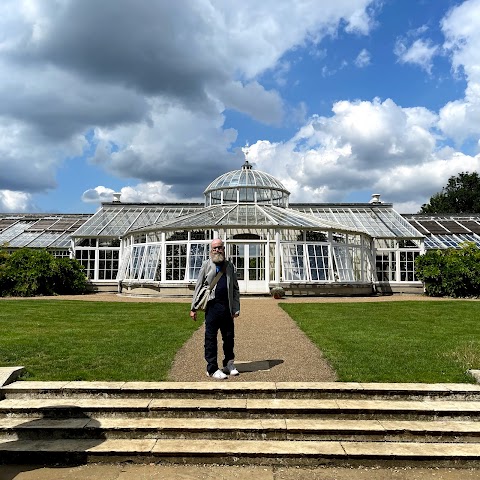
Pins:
x,y
222,308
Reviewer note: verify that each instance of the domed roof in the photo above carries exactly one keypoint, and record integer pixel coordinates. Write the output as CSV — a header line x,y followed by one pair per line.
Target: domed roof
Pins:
x,y
246,177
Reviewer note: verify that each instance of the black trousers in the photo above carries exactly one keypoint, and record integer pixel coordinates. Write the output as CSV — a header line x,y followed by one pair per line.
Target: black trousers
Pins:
x,y
218,317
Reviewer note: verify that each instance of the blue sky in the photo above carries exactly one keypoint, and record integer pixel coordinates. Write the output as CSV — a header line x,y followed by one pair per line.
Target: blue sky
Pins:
x,y
154,99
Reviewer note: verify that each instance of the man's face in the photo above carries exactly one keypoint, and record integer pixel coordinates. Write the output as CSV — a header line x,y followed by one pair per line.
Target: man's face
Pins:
x,y
217,251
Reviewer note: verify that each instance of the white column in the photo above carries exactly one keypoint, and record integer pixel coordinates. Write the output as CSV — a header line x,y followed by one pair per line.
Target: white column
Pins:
x,y
331,270
97,260
277,256
164,259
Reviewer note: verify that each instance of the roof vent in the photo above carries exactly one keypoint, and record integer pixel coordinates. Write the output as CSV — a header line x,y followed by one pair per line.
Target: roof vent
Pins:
x,y
375,198
116,197
246,166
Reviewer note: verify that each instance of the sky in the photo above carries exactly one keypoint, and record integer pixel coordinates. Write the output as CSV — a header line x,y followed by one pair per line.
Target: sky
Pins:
x,y
154,99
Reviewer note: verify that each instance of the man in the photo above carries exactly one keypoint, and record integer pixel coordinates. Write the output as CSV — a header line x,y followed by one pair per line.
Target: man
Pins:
x,y
222,308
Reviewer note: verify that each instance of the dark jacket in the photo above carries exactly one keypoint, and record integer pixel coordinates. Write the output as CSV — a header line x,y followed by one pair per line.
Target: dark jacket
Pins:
x,y
207,274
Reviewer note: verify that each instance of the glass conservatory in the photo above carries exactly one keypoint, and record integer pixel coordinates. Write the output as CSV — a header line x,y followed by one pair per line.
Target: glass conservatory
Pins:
x,y
305,248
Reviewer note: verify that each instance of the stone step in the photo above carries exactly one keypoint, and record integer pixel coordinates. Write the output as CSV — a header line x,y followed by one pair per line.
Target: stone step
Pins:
x,y
241,408
266,452
19,428
232,389
235,422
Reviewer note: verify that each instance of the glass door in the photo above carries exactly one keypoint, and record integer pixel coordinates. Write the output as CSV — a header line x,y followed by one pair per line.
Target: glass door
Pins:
x,y
249,260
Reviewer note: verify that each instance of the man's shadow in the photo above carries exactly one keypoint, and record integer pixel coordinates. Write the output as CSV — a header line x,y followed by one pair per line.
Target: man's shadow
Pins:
x,y
257,365
57,424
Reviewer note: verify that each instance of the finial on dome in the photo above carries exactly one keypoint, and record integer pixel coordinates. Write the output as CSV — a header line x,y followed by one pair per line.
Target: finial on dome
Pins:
x,y
246,165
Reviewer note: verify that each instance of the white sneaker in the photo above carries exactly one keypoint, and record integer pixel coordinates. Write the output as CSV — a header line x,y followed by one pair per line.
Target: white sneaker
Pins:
x,y
230,369
218,375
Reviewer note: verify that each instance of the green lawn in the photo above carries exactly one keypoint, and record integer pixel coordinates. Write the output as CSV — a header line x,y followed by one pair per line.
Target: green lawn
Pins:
x,y
368,342
77,340
395,341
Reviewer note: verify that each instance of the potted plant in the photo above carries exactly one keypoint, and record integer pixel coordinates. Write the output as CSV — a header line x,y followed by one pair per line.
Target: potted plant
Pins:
x,y
277,292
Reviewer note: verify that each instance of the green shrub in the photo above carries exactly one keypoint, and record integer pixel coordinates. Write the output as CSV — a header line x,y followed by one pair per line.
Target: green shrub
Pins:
x,y
28,272
450,273
69,277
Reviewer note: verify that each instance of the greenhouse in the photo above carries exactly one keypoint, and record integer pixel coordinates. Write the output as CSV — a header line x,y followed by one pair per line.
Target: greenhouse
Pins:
x,y
307,248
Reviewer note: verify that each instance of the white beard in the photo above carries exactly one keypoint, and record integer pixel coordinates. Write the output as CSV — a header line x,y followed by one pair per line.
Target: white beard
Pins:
x,y
217,257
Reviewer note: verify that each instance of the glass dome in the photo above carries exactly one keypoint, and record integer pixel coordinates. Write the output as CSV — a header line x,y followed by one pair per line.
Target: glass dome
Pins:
x,y
246,186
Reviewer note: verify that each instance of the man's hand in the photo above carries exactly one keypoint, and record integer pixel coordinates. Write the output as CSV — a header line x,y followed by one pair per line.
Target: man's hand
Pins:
x,y
193,315
235,315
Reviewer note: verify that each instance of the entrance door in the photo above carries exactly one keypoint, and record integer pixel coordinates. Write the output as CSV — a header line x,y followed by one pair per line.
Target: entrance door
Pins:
x,y
249,260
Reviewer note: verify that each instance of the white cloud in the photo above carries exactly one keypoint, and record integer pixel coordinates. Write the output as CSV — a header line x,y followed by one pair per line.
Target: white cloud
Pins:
x,y
15,202
98,194
426,178
149,192
363,59
460,119
420,53
368,146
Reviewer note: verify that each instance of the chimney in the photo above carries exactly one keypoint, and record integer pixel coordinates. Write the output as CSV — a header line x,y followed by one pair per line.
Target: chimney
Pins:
x,y
375,198
116,197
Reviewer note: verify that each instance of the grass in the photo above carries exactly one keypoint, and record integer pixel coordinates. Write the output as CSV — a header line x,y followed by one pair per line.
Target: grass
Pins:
x,y
415,341
77,340
365,342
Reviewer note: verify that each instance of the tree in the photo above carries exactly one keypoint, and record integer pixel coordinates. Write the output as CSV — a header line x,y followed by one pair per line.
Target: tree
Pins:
x,y
460,195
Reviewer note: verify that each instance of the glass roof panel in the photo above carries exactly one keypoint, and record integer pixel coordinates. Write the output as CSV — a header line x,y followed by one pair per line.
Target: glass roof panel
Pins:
x,y
203,217
121,222
432,242
67,224
147,217
419,227
78,224
43,224
247,215
448,240
397,224
377,222
324,223
12,232
290,217
471,225
23,239
468,237
45,239
432,226
6,222
94,225
453,227
62,241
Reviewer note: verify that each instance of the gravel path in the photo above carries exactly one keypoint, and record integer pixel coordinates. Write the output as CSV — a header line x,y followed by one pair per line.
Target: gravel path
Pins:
x,y
269,347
